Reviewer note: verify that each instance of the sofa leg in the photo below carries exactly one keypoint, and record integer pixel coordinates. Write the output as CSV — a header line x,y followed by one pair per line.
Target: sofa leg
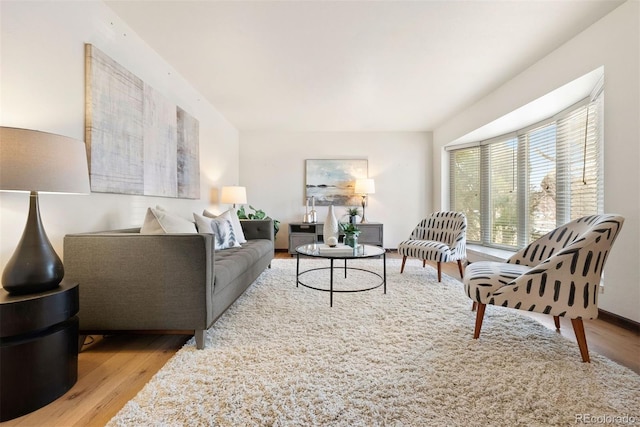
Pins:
x,y
439,272
199,334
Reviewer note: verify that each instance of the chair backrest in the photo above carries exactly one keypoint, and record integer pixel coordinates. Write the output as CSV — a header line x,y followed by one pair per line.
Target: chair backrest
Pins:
x,y
446,227
566,281
582,230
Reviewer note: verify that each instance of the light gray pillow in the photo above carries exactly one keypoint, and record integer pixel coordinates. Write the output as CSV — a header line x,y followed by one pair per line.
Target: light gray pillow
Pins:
x,y
162,222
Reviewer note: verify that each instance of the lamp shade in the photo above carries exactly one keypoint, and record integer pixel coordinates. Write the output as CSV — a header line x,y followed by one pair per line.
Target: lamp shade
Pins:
x,y
31,160
233,195
365,186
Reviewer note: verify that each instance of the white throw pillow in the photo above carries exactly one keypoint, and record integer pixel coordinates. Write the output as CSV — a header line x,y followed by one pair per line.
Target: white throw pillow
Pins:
x,y
235,222
203,224
221,228
162,222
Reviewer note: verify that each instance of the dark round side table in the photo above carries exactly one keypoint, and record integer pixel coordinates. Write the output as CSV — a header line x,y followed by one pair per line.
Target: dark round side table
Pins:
x,y
38,348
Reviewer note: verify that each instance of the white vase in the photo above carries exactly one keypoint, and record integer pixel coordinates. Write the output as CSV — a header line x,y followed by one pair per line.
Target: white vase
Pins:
x,y
330,227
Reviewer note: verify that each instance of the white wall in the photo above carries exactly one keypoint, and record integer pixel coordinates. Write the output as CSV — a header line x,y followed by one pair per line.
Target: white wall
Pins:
x,y
42,87
272,167
612,42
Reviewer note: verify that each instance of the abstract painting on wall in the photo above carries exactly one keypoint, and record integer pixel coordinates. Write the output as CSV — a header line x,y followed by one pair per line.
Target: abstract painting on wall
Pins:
x,y
138,141
332,182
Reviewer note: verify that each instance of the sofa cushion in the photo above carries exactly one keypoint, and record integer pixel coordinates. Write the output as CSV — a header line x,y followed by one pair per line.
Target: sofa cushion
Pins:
x,y
162,222
235,222
231,263
220,227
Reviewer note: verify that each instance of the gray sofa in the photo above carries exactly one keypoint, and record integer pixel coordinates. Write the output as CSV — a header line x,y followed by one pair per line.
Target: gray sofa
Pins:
x,y
163,282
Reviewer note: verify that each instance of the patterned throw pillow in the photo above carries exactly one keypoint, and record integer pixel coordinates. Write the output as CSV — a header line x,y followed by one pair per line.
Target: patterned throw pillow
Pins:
x,y
221,228
235,222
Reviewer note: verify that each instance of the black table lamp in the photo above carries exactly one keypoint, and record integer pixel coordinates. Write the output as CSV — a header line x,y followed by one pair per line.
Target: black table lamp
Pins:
x,y
33,161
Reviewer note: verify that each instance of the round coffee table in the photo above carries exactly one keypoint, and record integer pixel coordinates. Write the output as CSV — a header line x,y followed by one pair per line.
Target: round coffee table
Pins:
x,y
318,250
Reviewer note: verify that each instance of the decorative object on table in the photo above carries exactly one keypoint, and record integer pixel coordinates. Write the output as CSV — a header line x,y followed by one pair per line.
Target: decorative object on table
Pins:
x,y
258,214
139,142
332,241
353,214
440,237
351,233
558,274
364,187
310,217
330,227
233,195
331,181
34,162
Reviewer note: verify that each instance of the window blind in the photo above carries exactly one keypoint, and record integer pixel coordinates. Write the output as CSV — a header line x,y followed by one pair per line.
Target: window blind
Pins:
x,y
518,187
464,167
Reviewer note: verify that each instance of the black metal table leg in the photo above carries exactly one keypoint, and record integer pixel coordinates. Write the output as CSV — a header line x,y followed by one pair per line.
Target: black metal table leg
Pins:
x,y
384,269
331,285
297,269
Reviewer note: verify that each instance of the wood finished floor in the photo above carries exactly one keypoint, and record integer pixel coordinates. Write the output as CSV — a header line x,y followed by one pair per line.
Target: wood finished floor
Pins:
x,y
111,370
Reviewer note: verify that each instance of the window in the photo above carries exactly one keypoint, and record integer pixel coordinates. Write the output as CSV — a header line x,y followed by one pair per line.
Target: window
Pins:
x,y
517,187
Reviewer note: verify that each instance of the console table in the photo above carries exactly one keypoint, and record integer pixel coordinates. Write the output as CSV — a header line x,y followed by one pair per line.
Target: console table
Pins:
x,y
38,348
303,233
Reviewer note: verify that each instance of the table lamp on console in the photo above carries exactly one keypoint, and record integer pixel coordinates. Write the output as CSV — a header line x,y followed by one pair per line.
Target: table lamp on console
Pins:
x,y
234,195
38,162
364,187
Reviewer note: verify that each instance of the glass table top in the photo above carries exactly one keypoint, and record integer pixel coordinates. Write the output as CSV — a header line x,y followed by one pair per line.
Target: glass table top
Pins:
x,y
340,251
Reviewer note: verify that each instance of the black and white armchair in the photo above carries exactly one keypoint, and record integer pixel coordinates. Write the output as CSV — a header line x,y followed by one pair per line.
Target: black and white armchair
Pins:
x,y
558,274
441,237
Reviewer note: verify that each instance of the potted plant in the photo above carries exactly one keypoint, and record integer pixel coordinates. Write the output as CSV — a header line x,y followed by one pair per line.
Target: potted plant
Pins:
x,y
258,214
353,214
351,233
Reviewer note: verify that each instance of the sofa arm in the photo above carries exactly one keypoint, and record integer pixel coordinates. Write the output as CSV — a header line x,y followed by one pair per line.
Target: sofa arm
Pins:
x,y
258,229
132,281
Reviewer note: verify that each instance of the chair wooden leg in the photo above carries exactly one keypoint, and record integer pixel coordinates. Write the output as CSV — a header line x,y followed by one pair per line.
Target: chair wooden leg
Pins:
x,y
578,329
479,318
404,259
439,271
556,320
474,306
424,263
460,269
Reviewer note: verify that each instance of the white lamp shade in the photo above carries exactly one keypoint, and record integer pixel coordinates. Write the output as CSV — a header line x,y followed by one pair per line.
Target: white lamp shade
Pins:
x,y
234,195
44,162
365,186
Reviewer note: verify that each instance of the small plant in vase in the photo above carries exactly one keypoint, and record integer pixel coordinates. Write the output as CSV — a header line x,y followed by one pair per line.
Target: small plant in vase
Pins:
x,y
351,233
353,214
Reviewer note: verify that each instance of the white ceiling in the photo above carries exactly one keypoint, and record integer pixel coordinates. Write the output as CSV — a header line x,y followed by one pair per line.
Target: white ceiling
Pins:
x,y
353,65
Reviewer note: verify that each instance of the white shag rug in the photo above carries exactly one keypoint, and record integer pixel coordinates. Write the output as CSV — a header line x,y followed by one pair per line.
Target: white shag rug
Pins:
x,y
280,356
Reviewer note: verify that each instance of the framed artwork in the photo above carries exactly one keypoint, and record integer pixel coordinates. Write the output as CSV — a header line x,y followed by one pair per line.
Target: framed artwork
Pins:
x,y
138,141
332,182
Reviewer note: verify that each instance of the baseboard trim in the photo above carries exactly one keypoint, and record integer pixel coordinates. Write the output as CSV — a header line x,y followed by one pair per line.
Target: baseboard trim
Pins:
x,y
617,320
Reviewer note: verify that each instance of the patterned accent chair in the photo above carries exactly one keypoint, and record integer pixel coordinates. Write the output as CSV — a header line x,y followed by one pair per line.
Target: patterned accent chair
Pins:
x,y
558,274
441,237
